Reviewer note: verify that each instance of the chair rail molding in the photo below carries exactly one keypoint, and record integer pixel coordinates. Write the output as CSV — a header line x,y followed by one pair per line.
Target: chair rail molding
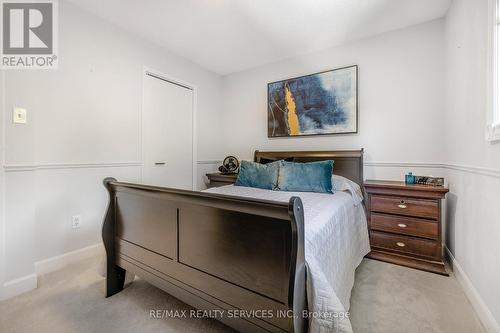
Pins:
x,y
405,164
212,161
491,172
56,166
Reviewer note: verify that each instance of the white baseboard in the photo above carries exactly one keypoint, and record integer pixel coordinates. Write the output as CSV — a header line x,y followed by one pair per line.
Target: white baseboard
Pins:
x,y
484,314
18,286
29,282
55,263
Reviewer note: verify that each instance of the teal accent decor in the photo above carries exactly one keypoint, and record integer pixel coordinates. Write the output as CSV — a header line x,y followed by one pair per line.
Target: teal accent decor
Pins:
x,y
306,177
258,175
410,178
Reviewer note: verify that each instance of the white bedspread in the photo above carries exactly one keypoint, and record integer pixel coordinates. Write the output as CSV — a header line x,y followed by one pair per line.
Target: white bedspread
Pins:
x,y
336,240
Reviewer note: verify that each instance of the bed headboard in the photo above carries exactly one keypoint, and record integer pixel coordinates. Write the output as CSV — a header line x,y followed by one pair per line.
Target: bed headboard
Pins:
x,y
348,163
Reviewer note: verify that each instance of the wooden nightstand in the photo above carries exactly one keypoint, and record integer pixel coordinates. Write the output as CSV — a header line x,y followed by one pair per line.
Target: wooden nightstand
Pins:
x,y
218,179
404,222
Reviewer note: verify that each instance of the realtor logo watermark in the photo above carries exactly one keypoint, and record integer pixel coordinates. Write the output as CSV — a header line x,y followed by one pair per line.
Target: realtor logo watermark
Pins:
x,y
29,34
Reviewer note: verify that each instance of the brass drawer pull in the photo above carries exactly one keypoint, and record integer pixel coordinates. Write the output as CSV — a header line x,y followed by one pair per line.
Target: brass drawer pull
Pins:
x,y
402,204
400,244
402,225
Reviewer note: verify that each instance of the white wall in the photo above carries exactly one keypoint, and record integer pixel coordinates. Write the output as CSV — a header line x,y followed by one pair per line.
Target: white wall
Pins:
x,y
2,185
466,68
83,125
473,228
400,98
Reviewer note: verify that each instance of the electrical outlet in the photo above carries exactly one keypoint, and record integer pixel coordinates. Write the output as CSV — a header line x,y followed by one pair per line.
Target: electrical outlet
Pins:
x,y
76,221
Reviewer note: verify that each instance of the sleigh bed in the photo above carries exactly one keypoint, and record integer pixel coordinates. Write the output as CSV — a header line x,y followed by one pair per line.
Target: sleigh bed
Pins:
x,y
239,255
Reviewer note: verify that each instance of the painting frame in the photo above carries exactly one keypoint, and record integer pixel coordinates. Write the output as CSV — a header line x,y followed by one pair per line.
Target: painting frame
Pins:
x,y
355,118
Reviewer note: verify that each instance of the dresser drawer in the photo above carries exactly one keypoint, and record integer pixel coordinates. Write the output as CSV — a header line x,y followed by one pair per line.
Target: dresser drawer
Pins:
x,y
405,244
405,206
218,179
218,184
404,225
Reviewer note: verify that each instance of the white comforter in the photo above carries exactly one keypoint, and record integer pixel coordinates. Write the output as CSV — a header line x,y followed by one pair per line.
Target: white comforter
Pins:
x,y
336,240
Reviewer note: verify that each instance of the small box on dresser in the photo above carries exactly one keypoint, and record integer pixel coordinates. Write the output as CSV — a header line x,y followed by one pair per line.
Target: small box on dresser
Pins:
x,y
404,223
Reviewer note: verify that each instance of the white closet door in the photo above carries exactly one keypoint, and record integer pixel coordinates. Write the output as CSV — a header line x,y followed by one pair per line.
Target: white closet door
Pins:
x,y
167,134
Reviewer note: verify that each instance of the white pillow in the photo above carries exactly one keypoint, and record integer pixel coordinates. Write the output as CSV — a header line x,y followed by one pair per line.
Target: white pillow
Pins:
x,y
340,183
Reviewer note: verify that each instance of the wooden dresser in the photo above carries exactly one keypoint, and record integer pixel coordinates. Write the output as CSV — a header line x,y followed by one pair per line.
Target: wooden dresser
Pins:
x,y
404,222
218,179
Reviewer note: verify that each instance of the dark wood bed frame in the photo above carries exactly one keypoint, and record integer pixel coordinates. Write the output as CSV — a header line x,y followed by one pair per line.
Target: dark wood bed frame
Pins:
x,y
243,257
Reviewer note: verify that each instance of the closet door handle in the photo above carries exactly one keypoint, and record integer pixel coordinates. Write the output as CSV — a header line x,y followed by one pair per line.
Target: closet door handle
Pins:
x,y
160,163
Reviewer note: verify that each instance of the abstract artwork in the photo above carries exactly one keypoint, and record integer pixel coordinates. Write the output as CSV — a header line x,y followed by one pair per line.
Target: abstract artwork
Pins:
x,y
321,103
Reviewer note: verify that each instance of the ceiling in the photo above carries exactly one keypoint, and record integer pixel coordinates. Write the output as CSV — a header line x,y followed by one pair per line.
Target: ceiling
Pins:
x,y
227,36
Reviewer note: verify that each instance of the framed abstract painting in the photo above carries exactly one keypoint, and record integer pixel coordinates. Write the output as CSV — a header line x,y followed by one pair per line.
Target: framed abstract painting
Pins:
x,y
315,104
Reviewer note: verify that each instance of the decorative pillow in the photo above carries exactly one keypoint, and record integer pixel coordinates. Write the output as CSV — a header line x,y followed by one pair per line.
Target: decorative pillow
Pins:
x,y
341,184
258,175
306,177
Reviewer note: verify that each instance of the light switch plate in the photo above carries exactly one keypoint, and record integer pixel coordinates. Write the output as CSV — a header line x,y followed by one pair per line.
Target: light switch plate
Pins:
x,y
19,116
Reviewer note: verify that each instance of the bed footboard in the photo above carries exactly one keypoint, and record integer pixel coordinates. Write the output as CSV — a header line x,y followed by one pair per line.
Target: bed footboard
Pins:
x,y
242,259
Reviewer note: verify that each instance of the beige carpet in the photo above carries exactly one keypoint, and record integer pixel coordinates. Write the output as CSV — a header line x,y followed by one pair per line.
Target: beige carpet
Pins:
x,y
386,298
389,298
